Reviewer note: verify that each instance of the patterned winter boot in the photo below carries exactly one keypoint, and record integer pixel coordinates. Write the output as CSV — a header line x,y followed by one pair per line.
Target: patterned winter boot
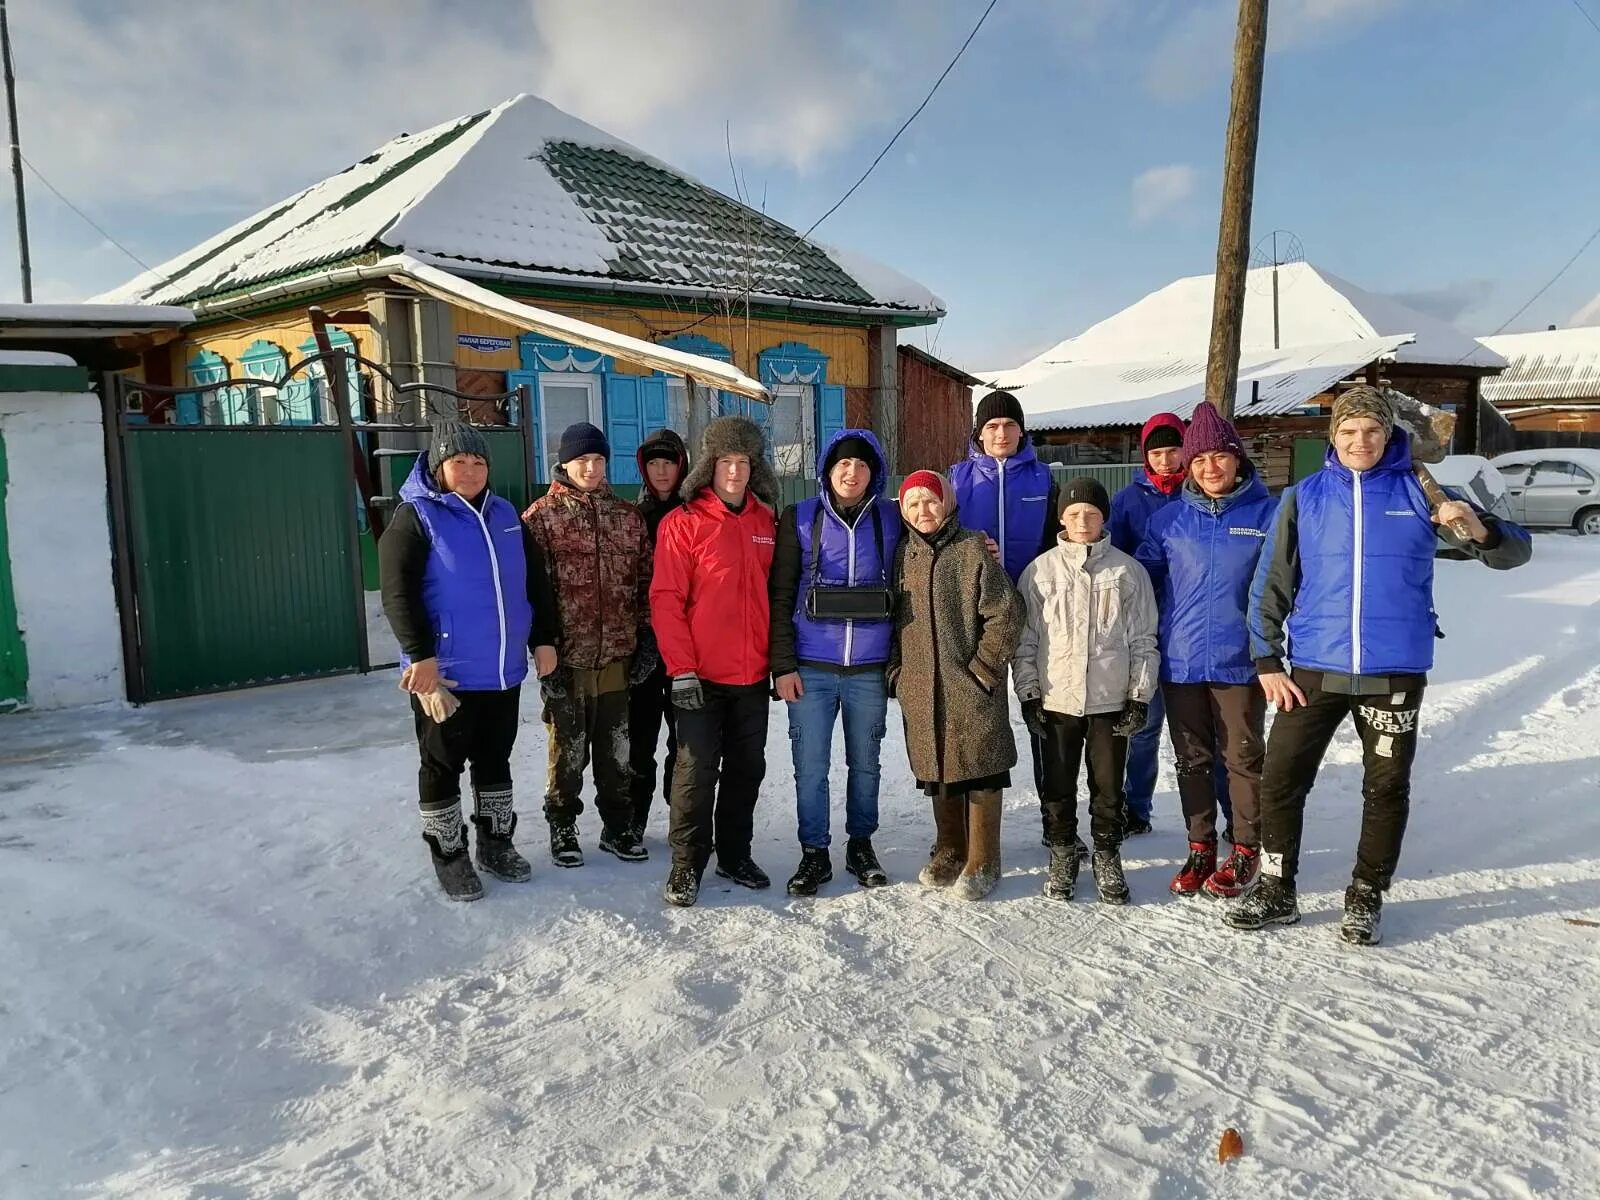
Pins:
x,y
1363,909
1235,876
496,822
1109,880
1062,877
1270,902
446,835
949,844
982,872
1197,868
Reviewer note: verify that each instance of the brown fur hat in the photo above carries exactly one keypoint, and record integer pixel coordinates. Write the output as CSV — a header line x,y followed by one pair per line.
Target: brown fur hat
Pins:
x,y
732,435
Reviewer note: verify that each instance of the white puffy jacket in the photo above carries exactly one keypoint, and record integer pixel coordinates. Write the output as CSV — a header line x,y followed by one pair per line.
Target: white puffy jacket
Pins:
x,y
1090,642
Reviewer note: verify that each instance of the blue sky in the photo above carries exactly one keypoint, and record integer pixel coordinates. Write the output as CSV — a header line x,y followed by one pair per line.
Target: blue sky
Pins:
x,y
1446,151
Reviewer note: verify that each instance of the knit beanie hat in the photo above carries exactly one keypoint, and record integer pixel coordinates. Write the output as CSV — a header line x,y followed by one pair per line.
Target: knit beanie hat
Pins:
x,y
931,480
660,447
851,446
1363,401
1208,432
1086,489
580,439
994,406
448,438
1162,437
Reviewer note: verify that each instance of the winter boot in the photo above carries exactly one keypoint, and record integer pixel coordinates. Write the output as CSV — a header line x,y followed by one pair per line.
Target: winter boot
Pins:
x,y
1108,877
683,887
564,848
982,872
861,862
624,843
949,844
1363,909
1197,868
1062,877
815,869
744,872
496,823
1134,825
446,835
1270,902
1235,876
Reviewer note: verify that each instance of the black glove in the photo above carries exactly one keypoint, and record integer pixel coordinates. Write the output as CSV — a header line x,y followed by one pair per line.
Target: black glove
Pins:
x,y
1033,716
645,659
557,684
1134,714
686,693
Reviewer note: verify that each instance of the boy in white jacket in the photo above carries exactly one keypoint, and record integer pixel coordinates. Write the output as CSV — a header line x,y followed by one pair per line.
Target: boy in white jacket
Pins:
x,y
1085,673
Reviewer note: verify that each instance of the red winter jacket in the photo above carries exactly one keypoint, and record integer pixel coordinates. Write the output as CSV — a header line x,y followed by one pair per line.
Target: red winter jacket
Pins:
x,y
708,595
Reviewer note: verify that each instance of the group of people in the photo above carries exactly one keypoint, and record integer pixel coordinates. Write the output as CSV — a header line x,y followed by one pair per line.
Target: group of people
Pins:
x,y
1193,599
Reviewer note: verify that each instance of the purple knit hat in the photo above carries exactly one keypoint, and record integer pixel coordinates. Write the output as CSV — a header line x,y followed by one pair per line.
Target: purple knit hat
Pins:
x,y
1209,431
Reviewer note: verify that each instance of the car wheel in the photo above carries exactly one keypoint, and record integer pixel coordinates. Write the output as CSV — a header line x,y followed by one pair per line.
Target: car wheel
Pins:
x,y
1588,522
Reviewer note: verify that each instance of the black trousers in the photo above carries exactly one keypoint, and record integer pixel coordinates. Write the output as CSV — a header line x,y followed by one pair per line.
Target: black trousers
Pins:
x,y
1387,725
1203,717
722,759
481,732
649,703
589,724
1067,740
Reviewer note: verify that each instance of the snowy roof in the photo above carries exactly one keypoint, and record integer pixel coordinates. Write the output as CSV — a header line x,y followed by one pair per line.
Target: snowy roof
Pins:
x,y
1271,383
526,186
59,321
1314,308
35,358
1556,364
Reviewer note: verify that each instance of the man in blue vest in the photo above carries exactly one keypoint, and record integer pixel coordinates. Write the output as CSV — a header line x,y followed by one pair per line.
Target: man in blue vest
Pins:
x,y
1004,490
1344,587
830,550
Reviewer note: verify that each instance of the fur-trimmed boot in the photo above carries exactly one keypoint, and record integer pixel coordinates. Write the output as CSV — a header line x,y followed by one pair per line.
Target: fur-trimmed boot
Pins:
x,y
496,822
446,835
949,842
982,871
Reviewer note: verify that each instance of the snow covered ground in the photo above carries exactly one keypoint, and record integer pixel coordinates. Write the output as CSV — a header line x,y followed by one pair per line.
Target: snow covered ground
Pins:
x,y
228,973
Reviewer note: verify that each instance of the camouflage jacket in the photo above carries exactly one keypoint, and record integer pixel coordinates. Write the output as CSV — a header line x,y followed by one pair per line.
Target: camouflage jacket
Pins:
x,y
599,558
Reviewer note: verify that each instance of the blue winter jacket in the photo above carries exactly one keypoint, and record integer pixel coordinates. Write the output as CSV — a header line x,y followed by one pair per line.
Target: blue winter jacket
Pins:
x,y
851,555
475,585
1201,555
1131,510
1010,499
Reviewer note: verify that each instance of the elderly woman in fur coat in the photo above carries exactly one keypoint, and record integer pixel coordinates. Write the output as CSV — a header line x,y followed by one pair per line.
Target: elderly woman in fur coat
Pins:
x,y
957,625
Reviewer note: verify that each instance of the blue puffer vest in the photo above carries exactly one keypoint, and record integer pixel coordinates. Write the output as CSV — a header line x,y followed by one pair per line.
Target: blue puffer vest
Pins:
x,y
1365,601
849,555
1202,556
1009,499
475,589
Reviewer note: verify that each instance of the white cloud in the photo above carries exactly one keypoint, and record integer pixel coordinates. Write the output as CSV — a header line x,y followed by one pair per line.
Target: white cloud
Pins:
x,y
1160,190
1589,314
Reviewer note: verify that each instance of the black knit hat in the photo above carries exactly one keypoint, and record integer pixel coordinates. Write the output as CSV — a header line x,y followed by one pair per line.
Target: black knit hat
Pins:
x,y
446,439
580,439
1163,436
994,406
850,447
1086,489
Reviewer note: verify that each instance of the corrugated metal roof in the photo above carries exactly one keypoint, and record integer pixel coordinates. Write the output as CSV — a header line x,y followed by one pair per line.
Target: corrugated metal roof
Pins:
x,y
1271,383
1555,364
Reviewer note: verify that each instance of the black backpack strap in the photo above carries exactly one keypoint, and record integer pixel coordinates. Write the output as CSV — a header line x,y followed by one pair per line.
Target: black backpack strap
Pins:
x,y
816,545
877,538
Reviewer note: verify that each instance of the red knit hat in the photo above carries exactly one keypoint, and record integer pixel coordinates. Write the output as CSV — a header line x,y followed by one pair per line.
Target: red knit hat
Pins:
x,y
931,480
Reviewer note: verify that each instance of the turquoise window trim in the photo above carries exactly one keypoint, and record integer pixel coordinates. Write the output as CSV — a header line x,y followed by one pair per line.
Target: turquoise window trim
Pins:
x,y
550,354
310,388
793,362
206,367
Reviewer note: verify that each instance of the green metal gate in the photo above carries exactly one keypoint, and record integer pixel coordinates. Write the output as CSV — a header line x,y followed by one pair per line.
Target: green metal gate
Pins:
x,y
13,654
239,545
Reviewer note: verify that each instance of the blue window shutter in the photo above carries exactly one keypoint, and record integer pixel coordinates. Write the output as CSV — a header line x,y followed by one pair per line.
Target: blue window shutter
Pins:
x,y
652,402
830,413
624,414
729,404
514,380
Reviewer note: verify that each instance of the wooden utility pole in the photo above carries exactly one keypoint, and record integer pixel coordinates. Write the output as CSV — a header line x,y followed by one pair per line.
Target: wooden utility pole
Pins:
x,y
1238,187
16,158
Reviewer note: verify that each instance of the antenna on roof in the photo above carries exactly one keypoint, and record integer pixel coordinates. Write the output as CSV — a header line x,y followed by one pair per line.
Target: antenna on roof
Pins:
x,y
1278,249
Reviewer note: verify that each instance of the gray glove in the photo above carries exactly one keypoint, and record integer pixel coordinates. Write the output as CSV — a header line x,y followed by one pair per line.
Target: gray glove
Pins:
x,y
686,693
1134,714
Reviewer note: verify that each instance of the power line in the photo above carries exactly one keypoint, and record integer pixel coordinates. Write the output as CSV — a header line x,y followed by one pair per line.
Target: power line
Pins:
x,y
1587,15
1565,267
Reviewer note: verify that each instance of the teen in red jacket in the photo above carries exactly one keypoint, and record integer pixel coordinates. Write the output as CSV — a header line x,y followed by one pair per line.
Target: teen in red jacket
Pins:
x,y
709,607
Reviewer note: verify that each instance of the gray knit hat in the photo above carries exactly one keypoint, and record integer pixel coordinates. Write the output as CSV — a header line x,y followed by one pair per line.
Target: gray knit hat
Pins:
x,y
446,439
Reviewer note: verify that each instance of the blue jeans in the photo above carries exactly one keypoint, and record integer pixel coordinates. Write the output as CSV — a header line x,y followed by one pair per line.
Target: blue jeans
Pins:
x,y
1144,764
864,697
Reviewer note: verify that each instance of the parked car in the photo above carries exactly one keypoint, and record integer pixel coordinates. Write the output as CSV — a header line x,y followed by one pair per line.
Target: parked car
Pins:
x,y
1473,478
1556,488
